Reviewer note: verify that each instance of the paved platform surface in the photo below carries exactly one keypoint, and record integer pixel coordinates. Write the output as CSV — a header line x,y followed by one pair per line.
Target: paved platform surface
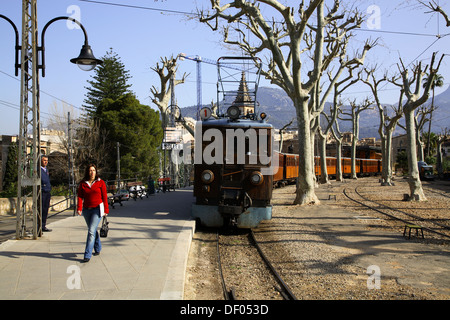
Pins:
x,y
143,257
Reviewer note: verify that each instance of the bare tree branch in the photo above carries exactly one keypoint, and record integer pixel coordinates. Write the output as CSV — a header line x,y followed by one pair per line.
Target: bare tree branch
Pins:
x,y
436,8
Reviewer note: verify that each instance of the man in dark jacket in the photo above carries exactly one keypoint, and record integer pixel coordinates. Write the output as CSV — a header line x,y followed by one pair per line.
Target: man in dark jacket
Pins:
x,y
46,187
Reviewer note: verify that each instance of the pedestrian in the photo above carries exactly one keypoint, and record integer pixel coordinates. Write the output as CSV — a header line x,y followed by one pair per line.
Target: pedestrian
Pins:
x,y
46,187
93,204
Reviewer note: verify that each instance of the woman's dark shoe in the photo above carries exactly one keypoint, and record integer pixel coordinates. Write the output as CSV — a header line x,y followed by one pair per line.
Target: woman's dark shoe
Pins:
x,y
86,260
96,253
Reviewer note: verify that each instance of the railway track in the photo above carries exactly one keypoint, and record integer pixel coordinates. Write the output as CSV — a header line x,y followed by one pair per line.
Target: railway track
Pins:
x,y
444,194
249,241
427,224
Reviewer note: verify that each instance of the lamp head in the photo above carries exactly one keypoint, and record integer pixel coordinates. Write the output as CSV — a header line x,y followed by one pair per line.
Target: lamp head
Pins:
x,y
86,60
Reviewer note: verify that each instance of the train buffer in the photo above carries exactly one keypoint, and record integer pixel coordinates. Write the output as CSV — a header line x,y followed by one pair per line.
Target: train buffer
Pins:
x,y
409,227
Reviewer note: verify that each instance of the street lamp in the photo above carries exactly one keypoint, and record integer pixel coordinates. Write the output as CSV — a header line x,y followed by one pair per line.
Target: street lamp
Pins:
x,y
86,61
29,173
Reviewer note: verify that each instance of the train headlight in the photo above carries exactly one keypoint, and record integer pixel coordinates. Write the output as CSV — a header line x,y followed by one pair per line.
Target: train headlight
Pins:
x,y
256,178
207,176
233,112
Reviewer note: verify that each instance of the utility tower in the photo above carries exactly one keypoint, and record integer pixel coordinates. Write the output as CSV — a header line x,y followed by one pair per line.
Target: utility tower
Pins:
x,y
199,61
29,175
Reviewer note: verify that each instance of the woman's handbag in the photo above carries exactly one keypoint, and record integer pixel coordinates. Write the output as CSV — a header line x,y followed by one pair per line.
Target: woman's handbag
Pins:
x,y
105,228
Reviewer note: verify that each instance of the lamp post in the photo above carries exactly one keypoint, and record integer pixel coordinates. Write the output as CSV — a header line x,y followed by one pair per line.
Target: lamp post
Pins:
x,y
29,173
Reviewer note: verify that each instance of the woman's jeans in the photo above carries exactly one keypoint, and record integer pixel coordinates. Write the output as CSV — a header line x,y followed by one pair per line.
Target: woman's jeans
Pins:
x,y
92,217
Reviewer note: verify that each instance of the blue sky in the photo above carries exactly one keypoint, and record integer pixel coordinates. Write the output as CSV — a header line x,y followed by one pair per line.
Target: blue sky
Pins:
x,y
140,37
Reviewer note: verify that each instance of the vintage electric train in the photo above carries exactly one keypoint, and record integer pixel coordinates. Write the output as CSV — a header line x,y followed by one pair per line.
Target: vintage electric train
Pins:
x,y
234,170
239,194
234,189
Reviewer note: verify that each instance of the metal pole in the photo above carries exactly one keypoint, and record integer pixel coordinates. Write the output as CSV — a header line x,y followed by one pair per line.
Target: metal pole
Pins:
x,y
29,173
199,86
118,165
72,185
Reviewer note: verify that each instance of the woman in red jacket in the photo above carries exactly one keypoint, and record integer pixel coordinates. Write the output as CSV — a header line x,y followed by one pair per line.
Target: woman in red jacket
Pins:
x,y
93,204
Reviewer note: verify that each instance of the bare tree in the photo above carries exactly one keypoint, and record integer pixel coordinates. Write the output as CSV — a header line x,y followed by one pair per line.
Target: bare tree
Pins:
x,y
420,120
282,132
388,123
436,8
338,137
323,134
331,120
161,96
413,101
354,115
317,102
59,121
90,146
286,40
443,137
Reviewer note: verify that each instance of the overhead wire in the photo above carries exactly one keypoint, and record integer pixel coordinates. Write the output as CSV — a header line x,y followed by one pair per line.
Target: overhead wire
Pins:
x,y
438,36
196,14
239,19
139,7
50,115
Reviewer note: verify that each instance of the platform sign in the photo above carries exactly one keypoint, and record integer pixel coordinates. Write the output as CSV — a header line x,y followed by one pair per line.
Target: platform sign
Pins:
x,y
172,135
172,146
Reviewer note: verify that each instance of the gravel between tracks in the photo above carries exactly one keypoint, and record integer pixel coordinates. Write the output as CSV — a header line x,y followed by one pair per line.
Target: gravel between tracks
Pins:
x,y
309,257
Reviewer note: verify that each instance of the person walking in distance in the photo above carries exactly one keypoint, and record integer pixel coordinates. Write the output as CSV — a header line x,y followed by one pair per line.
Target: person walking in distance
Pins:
x,y
93,205
46,187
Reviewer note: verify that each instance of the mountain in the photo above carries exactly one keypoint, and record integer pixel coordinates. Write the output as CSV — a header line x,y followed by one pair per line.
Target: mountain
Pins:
x,y
280,110
441,117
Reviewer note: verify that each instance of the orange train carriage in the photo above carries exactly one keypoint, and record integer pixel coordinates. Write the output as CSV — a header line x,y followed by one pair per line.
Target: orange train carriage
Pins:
x,y
287,171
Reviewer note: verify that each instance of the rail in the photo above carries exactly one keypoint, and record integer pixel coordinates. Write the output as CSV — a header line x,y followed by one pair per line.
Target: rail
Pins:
x,y
394,217
286,291
229,294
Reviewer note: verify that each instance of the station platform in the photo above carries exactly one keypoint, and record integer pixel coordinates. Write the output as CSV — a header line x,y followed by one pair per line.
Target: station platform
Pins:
x,y
143,257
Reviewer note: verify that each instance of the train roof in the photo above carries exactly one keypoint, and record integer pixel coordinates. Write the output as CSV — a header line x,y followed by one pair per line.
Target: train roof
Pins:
x,y
238,123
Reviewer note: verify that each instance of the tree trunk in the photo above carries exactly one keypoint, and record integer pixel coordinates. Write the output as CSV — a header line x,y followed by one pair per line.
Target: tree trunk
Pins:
x,y
305,187
323,159
415,185
355,131
339,160
420,144
439,162
383,159
353,159
388,158
420,154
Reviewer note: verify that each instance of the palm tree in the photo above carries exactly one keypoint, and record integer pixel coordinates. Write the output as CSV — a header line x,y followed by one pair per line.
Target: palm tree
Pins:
x,y
438,81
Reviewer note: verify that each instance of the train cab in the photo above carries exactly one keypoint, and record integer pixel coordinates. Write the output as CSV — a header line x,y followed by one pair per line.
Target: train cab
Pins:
x,y
233,162
232,180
